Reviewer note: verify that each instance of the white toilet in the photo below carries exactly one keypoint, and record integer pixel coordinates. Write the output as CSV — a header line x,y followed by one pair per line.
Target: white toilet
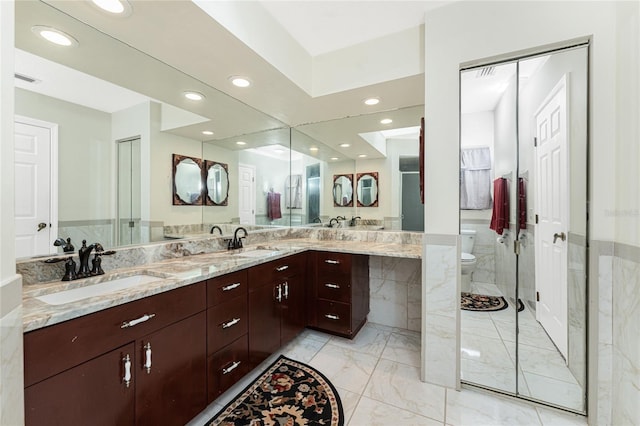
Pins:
x,y
468,260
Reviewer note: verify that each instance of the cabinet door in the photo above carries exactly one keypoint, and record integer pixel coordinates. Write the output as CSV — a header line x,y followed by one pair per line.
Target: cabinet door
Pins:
x,y
173,389
92,393
293,309
264,323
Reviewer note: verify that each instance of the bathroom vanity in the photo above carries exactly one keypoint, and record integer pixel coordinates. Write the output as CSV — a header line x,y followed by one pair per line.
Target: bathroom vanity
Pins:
x,y
162,358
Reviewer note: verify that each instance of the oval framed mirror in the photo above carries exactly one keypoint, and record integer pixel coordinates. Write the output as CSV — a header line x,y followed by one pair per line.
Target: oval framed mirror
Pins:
x,y
217,183
367,189
187,181
343,190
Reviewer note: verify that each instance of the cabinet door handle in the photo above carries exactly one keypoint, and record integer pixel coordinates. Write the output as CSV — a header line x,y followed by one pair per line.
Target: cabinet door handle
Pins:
x,y
332,262
131,323
147,357
231,367
332,317
126,361
282,268
230,286
279,293
331,285
230,323
286,289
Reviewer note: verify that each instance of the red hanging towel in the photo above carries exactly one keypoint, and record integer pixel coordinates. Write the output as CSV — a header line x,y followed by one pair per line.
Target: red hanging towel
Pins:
x,y
273,205
500,217
522,205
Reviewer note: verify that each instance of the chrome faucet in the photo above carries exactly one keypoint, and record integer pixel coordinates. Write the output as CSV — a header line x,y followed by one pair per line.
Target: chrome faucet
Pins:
x,y
236,243
215,227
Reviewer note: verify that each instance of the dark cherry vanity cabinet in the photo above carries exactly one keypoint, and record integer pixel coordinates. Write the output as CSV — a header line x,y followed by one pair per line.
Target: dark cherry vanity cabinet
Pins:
x,y
276,305
339,300
227,331
140,363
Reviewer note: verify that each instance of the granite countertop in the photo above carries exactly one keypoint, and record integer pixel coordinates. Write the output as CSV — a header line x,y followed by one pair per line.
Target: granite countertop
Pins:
x,y
180,271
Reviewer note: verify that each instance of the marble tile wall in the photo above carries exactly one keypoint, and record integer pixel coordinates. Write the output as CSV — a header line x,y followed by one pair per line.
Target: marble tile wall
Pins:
x,y
577,312
101,231
11,366
440,310
395,285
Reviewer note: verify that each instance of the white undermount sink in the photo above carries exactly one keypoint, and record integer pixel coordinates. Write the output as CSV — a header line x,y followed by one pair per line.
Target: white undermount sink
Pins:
x,y
98,289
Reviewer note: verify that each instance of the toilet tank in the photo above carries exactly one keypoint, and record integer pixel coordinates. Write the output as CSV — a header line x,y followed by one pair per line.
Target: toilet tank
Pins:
x,y
468,237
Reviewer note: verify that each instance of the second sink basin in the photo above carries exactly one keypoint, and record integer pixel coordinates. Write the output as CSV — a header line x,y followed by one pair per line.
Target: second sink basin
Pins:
x,y
98,289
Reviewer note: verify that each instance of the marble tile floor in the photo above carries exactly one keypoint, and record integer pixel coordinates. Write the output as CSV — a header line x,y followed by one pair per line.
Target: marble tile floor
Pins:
x,y
378,378
488,353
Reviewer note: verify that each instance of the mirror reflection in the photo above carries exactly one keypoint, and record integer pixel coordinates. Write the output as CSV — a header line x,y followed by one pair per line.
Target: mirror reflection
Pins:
x,y
217,183
187,180
367,188
523,227
343,190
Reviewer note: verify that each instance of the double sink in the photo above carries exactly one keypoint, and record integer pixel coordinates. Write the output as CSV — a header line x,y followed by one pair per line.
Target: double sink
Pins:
x,y
123,283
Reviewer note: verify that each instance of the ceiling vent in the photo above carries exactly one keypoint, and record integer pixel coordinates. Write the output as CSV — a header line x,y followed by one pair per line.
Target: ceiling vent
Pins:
x,y
26,78
486,72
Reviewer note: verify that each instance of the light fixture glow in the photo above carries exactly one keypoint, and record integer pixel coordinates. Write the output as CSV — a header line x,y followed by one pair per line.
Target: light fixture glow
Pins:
x,y
207,132
118,7
241,143
334,158
386,121
194,96
344,145
362,155
313,148
54,35
240,81
371,101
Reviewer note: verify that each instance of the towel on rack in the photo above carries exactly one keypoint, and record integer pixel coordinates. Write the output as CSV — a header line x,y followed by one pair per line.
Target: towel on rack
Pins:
x,y
522,204
273,205
293,192
500,216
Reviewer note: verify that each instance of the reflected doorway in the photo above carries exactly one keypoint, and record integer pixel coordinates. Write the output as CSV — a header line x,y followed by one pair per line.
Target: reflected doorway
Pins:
x,y
313,192
412,210
129,192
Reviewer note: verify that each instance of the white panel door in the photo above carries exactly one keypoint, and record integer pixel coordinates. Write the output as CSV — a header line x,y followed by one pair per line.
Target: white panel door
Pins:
x,y
33,189
552,209
247,194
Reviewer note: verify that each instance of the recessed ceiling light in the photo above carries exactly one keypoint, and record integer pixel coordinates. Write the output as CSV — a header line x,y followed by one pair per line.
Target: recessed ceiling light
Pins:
x,y
334,158
362,155
371,101
118,7
207,132
194,96
240,81
313,148
386,121
54,35
344,145
241,143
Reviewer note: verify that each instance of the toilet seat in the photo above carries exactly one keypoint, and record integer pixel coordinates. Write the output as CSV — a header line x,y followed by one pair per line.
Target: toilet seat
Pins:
x,y
467,258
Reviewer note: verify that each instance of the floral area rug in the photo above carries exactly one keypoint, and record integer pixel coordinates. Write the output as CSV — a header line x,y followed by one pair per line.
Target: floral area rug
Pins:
x,y
287,393
480,302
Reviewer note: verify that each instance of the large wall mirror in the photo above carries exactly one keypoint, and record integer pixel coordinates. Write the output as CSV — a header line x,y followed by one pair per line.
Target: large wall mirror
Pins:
x,y
523,145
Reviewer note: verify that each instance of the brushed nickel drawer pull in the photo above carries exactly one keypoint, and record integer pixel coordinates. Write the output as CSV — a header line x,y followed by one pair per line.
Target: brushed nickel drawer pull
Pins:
x,y
230,323
331,285
332,262
230,286
126,360
131,323
332,317
285,294
282,268
231,367
147,357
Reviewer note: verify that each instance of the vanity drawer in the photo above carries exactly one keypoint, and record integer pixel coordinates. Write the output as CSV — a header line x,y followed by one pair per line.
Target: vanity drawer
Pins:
x,y
226,323
227,366
333,263
334,316
337,288
226,287
50,350
275,271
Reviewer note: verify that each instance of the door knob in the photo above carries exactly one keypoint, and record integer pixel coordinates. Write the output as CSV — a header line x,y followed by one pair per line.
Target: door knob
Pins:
x,y
41,226
560,235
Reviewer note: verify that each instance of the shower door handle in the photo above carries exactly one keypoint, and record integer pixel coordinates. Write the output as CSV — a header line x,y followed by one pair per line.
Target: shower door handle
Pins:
x,y
560,235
